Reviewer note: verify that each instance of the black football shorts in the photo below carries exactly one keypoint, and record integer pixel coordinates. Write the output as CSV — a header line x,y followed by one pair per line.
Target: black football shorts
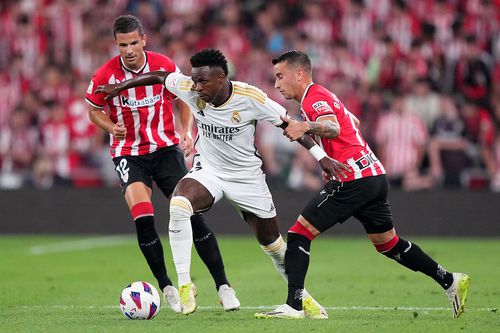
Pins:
x,y
365,199
165,166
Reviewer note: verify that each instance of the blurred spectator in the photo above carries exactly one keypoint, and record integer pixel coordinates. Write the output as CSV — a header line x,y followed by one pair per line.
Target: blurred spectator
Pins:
x,y
401,137
402,25
416,64
423,102
473,72
495,179
448,145
372,109
18,143
55,144
480,131
356,27
304,172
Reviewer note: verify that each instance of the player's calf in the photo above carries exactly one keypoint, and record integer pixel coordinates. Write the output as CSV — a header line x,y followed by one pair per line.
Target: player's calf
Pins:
x,y
411,256
181,237
149,241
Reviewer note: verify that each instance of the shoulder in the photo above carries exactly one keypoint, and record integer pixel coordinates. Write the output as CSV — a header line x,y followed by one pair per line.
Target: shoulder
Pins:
x,y
108,68
319,99
160,60
246,90
318,92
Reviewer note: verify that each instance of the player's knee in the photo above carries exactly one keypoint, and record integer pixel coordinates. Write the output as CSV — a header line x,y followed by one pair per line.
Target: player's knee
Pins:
x,y
180,209
299,229
142,209
386,246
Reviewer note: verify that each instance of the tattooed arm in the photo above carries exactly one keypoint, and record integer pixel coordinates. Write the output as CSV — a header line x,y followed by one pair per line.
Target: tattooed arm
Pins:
x,y
325,127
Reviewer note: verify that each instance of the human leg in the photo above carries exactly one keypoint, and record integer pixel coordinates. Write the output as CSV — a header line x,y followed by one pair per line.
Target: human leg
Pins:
x,y
266,231
135,180
410,255
189,196
207,248
138,197
289,262
169,170
377,220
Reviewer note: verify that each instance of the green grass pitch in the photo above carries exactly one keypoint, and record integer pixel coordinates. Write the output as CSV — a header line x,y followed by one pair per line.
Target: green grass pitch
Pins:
x,y
72,284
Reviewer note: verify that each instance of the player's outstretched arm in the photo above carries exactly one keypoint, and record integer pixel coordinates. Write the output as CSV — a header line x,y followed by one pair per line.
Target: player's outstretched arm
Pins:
x,y
327,127
146,79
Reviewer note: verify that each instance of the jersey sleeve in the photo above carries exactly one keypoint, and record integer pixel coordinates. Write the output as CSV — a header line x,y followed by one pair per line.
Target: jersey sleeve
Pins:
x,y
96,100
263,107
179,85
168,65
270,111
318,105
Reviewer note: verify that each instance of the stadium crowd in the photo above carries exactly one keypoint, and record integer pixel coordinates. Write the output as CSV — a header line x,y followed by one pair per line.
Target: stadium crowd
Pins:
x,y
422,76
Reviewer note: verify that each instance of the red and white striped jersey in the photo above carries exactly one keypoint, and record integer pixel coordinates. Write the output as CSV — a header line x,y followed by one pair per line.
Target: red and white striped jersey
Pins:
x,y
146,111
349,147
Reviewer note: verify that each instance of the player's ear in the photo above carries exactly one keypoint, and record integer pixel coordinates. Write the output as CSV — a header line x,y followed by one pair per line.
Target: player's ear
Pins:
x,y
143,38
299,74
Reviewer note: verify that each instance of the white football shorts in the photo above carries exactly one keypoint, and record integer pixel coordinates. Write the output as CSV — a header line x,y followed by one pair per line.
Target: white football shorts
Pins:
x,y
247,192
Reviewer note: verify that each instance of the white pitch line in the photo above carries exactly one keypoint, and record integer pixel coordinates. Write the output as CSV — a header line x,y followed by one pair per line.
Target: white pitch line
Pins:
x,y
266,307
80,245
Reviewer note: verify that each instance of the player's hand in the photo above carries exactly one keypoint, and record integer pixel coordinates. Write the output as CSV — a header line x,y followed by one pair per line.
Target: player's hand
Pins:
x,y
333,169
109,90
119,131
187,144
294,129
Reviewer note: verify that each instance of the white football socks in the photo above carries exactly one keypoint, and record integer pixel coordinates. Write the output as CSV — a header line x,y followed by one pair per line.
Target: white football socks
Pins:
x,y
276,250
181,237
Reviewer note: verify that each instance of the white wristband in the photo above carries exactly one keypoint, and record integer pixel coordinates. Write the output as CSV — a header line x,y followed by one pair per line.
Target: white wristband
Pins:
x,y
317,152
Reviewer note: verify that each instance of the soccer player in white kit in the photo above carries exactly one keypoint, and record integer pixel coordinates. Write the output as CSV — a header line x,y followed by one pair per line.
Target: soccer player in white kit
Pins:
x,y
226,163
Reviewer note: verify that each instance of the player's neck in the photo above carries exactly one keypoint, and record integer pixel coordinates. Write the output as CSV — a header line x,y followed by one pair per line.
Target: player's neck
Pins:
x,y
304,86
140,63
224,95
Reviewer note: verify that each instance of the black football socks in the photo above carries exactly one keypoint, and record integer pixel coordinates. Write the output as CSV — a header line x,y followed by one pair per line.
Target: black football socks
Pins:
x,y
296,265
411,256
208,250
152,249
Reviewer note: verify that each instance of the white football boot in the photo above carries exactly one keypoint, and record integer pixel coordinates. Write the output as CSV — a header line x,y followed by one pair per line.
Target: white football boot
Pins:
x,y
283,311
457,293
173,298
228,299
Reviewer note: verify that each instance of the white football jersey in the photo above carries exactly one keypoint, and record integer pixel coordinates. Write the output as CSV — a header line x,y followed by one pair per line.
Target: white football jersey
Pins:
x,y
226,133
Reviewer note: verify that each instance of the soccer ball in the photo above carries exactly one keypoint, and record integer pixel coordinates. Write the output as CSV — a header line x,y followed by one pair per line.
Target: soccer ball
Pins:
x,y
140,300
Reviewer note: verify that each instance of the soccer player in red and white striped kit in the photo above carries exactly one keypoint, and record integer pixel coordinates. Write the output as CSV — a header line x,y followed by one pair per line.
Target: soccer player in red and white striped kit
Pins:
x,y
145,148
361,192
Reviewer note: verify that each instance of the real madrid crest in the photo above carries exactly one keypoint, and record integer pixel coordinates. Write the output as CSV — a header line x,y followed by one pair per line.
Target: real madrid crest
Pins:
x,y
236,118
200,104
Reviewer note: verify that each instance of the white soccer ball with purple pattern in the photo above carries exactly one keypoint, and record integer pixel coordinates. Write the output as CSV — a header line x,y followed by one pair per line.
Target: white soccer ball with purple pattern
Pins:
x,y
140,300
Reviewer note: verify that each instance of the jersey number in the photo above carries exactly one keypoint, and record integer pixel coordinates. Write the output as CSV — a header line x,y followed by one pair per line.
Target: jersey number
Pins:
x,y
123,170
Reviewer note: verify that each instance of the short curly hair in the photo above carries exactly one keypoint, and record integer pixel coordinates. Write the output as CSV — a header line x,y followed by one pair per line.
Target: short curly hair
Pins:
x,y
210,58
